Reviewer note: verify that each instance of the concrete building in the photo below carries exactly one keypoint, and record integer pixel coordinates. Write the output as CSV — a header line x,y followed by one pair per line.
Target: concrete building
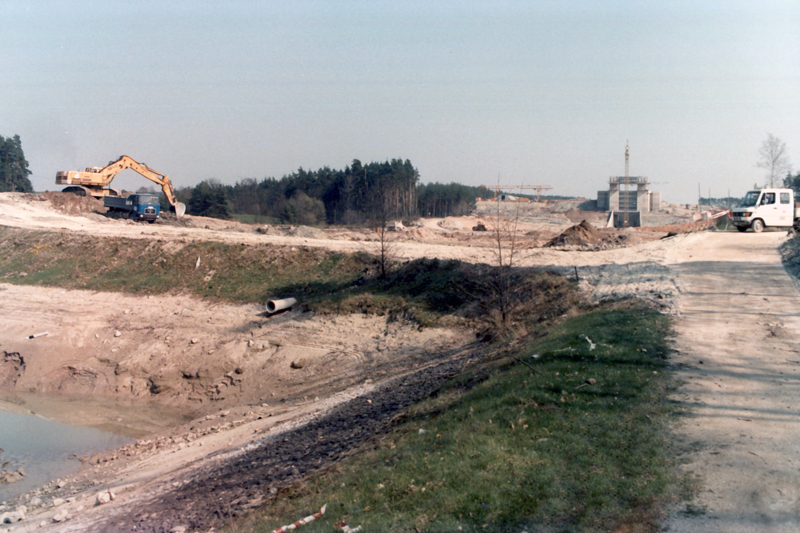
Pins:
x,y
639,197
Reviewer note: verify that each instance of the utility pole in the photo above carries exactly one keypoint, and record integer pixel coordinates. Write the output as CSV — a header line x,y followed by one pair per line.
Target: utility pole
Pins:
x,y
626,182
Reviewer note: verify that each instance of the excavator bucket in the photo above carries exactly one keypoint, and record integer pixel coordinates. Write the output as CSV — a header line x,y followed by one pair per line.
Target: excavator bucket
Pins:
x,y
180,209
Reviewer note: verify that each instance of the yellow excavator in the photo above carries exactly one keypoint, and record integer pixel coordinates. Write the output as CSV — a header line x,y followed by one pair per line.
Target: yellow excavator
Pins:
x,y
94,181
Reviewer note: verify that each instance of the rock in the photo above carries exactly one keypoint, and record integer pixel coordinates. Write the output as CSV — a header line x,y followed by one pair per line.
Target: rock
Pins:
x,y
57,502
61,516
117,333
10,477
12,517
178,529
298,363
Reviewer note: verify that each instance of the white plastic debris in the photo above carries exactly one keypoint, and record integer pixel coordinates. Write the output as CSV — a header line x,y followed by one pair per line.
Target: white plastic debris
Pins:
x,y
592,345
302,522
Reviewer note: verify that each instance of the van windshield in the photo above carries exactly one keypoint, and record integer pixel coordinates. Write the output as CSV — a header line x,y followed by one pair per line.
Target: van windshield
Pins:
x,y
750,199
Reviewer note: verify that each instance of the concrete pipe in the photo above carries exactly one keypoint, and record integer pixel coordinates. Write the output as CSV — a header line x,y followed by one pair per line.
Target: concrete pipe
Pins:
x,y
273,306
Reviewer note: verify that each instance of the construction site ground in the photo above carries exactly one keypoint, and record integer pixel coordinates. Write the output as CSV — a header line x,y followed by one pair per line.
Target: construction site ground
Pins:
x,y
315,387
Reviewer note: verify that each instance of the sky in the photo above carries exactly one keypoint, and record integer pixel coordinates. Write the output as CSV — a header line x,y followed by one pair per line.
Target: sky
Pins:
x,y
474,92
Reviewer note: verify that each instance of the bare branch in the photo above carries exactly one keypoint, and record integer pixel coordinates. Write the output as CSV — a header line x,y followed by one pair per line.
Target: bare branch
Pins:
x,y
774,159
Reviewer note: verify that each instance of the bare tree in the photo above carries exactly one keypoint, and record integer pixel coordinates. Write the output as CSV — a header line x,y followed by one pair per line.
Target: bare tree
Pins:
x,y
508,249
774,159
383,216
387,250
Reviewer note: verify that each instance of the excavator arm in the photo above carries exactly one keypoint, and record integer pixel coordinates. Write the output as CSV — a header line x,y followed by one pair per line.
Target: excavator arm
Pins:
x,y
95,180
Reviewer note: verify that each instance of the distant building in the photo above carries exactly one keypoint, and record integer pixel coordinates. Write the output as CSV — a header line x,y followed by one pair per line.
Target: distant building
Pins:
x,y
639,197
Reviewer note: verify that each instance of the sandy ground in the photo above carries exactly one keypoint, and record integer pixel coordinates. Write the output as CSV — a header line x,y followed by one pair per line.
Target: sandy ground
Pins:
x,y
732,299
738,354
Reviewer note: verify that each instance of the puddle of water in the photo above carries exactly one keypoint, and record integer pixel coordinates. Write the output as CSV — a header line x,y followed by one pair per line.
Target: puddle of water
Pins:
x,y
44,435
45,449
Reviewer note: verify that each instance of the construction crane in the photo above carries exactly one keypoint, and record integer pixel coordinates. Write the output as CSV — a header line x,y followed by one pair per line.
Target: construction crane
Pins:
x,y
626,195
537,188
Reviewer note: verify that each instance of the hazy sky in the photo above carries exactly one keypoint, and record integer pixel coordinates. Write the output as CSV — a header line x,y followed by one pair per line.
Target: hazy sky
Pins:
x,y
536,92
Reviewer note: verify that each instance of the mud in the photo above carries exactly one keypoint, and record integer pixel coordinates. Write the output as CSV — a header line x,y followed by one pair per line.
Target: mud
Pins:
x,y
248,480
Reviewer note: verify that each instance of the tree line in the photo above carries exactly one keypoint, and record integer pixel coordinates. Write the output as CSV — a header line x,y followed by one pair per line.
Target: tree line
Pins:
x,y
13,166
357,194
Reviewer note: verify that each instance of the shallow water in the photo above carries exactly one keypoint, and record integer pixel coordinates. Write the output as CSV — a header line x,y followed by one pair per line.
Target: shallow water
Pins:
x,y
45,449
45,435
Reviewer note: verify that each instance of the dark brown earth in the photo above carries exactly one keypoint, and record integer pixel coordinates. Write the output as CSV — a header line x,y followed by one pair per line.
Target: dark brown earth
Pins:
x,y
235,486
580,234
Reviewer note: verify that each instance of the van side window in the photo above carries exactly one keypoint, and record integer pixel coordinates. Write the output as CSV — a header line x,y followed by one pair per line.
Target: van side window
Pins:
x,y
784,197
768,199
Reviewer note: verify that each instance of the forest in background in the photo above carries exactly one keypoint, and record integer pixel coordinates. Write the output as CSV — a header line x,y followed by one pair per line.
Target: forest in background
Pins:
x,y
357,194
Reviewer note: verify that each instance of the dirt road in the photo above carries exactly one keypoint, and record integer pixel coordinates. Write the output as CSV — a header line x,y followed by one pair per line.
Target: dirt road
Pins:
x,y
738,355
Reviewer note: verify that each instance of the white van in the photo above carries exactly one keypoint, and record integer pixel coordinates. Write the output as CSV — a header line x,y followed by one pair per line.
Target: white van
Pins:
x,y
765,208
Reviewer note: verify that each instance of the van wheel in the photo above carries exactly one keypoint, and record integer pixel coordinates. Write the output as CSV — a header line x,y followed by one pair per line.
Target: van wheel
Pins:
x,y
758,226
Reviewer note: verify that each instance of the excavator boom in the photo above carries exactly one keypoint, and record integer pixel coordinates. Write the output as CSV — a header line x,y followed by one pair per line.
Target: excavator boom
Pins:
x,y
95,180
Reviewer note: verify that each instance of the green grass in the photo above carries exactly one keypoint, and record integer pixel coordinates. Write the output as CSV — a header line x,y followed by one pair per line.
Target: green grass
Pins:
x,y
518,446
232,272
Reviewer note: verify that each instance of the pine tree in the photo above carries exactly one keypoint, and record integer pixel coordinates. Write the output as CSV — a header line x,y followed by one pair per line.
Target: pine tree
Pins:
x,y
13,166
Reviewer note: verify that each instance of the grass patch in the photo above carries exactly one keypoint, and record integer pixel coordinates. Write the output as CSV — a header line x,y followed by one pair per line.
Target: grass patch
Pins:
x,y
326,282
573,440
235,273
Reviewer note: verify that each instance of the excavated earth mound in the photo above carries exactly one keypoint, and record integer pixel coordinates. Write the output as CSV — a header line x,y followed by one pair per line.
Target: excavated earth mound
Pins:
x,y
69,203
581,234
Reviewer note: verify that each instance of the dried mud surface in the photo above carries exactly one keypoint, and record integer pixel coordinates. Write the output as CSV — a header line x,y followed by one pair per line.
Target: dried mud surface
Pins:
x,y
247,480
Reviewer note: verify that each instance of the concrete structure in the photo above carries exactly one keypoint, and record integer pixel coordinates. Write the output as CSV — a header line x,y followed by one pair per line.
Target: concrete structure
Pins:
x,y
639,198
634,219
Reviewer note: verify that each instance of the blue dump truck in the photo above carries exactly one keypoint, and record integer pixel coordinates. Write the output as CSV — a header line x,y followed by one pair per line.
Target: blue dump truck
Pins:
x,y
136,206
